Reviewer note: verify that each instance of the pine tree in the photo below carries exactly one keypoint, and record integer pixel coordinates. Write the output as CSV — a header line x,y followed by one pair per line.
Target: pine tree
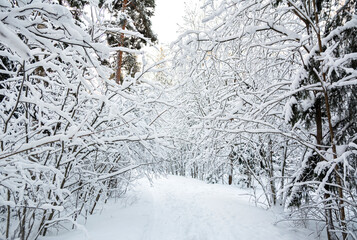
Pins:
x,y
134,15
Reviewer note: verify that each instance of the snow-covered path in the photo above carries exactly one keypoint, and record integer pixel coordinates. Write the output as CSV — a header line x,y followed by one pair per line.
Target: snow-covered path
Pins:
x,y
179,208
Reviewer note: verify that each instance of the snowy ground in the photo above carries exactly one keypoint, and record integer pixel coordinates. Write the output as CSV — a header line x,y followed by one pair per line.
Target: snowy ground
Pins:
x,y
179,208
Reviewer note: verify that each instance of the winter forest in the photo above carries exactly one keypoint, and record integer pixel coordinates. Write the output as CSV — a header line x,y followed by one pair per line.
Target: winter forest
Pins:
x,y
253,97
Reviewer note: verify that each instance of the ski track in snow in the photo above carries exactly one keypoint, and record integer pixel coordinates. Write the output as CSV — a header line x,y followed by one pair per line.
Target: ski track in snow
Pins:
x,y
178,208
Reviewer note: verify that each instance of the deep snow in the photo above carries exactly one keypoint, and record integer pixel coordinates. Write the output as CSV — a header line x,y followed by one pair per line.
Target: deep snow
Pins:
x,y
178,208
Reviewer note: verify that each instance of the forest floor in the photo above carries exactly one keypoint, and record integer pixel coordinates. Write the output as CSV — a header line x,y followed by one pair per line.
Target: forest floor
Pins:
x,y
178,208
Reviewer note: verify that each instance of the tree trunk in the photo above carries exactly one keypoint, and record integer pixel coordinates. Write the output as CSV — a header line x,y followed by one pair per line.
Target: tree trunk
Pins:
x,y
342,214
120,53
23,225
338,179
283,165
318,119
230,177
8,216
271,173
95,202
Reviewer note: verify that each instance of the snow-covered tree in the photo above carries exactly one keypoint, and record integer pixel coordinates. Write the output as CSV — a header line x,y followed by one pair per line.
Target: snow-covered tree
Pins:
x,y
69,135
263,73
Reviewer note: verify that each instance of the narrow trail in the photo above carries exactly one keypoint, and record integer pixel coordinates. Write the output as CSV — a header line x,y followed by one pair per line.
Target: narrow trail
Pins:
x,y
187,209
177,208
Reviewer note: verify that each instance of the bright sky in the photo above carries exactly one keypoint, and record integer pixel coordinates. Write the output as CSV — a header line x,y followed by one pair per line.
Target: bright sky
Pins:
x,y
168,14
